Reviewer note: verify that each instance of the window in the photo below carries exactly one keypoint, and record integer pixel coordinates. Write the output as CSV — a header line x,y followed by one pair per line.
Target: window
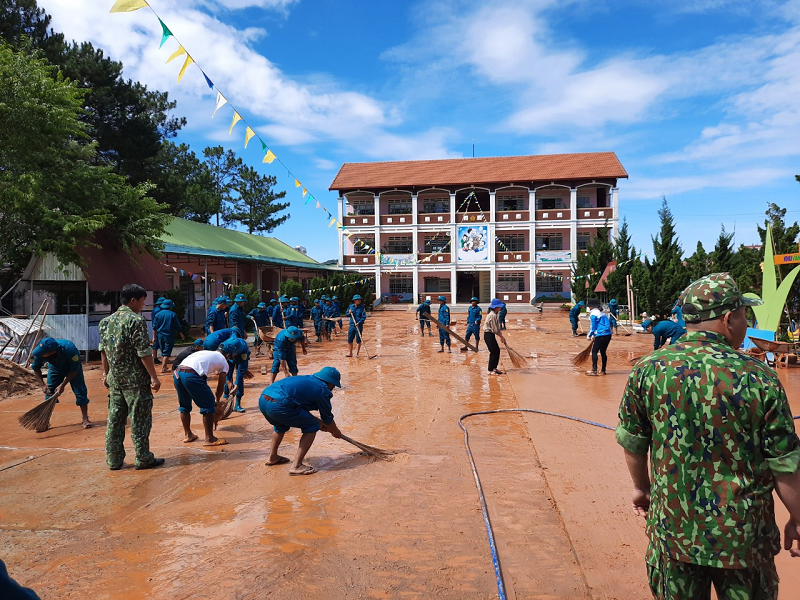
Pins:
x,y
401,284
362,207
398,245
359,249
548,241
399,207
511,282
438,244
511,201
550,283
511,242
583,202
549,203
436,205
584,241
437,284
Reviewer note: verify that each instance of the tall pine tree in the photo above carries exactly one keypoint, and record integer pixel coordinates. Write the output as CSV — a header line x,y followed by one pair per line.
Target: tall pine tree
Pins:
x,y
668,276
700,263
255,207
722,256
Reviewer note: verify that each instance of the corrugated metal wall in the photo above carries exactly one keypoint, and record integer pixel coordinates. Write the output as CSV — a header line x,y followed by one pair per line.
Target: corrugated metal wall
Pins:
x,y
70,327
49,269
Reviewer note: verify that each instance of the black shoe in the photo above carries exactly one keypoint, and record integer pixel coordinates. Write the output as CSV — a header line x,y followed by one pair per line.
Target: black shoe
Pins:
x,y
156,462
156,361
115,468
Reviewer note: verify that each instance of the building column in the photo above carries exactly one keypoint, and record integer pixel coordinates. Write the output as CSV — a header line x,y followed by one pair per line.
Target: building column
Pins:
x,y
453,283
573,225
615,212
533,284
415,284
377,282
340,232
492,207
453,229
414,205
493,281
492,227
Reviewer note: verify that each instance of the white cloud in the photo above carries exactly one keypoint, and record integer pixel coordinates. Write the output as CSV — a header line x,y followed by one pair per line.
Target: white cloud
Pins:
x,y
653,188
240,4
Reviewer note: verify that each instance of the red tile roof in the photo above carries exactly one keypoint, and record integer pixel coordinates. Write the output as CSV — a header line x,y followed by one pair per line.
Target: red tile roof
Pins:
x,y
469,171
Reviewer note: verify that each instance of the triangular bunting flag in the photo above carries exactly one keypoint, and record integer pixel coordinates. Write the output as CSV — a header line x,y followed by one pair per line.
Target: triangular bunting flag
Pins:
x,y
236,119
180,51
208,81
269,157
248,133
297,183
165,32
318,204
304,192
333,220
189,60
264,146
221,101
127,5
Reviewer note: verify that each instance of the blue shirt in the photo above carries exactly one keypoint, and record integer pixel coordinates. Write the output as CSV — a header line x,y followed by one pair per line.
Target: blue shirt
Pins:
x,y
329,311
301,312
575,311
292,314
66,359
663,330
216,319
236,318
316,313
599,323
336,307
305,391
444,315
166,323
424,309
503,312
283,342
219,336
474,315
277,317
359,314
678,312
260,316
613,308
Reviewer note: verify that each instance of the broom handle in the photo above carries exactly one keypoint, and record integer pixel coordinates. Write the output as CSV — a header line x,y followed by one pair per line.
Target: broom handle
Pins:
x,y
37,338
358,333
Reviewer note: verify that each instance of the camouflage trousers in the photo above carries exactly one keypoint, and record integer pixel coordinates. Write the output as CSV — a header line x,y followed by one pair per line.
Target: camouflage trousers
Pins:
x,y
138,404
675,580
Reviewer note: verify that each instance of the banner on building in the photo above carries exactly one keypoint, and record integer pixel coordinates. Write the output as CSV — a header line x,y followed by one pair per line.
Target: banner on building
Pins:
x,y
473,243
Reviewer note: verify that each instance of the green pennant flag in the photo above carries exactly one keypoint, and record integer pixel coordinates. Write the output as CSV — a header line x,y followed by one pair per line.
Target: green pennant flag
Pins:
x,y
166,33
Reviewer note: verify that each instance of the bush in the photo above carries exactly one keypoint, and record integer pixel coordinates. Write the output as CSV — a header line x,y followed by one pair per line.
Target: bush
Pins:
x,y
176,295
250,292
291,288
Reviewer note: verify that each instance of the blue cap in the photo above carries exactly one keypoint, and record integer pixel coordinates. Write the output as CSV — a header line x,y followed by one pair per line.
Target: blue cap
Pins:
x,y
261,305
646,323
283,299
496,303
294,299
294,333
579,303
227,299
474,299
356,297
233,345
316,300
273,300
336,297
46,346
221,300
198,342
442,298
160,300
240,298
167,304
427,301
613,301
329,375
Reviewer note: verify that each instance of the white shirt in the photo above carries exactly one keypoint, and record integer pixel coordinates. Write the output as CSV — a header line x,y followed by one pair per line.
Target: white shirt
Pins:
x,y
206,362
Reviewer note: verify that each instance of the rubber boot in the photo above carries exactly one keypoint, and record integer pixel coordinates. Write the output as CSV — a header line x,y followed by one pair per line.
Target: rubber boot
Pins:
x,y
238,407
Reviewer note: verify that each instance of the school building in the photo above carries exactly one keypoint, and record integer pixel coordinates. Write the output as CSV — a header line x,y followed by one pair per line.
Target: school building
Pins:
x,y
506,227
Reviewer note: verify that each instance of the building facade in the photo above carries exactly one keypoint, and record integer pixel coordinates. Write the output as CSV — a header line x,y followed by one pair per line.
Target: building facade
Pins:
x,y
505,227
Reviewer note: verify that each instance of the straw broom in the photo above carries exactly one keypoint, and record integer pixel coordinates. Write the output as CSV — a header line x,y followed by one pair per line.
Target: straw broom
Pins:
x,y
370,450
516,358
38,418
583,355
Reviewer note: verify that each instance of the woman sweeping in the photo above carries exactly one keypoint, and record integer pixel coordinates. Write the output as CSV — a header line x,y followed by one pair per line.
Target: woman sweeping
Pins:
x,y
600,332
491,331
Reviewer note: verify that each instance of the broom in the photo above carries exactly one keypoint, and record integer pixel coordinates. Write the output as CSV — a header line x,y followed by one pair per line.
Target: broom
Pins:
x,y
582,356
38,418
370,450
516,358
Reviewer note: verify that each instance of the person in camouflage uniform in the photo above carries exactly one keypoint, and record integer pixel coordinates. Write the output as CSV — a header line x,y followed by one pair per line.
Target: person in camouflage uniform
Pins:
x,y
721,437
131,379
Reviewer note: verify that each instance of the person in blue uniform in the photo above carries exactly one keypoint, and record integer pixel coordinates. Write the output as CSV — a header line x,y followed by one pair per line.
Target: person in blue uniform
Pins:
x,y
337,309
289,402
574,312
677,313
502,316
329,313
65,367
424,311
301,313
280,318
271,309
316,315
165,326
663,331
216,318
153,313
293,317
357,315
213,341
613,309
236,318
444,318
284,348
474,317
260,316
238,355
600,333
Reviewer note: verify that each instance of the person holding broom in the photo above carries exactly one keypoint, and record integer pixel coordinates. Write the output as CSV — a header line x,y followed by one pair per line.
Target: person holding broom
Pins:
x,y
574,314
357,316
65,367
330,314
191,384
289,402
259,316
238,355
165,325
424,311
474,316
492,331
284,348
600,334
338,310
444,318
613,317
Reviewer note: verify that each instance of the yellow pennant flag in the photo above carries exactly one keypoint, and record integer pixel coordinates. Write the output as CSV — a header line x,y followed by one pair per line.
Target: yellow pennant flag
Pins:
x,y
236,119
127,5
249,133
176,54
189,60
297,183
269,157
304,192
333,220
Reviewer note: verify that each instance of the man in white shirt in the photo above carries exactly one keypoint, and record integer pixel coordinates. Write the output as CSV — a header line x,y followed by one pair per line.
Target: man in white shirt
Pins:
x,y
191,383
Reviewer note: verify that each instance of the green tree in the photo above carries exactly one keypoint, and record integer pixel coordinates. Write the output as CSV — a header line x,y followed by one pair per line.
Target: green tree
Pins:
x,y
625,254
255,206
700,263
54,196
291,288
224,168
23,25
591,263
183,183
722,256
784,241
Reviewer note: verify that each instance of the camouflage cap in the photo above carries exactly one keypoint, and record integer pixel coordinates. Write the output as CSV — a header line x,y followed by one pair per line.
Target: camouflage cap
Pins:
x,y
712,296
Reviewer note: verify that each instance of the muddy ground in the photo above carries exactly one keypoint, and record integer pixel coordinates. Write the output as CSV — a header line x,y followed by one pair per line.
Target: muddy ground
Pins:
x,y
220,524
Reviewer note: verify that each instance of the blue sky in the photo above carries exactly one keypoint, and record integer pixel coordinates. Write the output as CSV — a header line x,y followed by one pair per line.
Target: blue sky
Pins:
x,y
700,99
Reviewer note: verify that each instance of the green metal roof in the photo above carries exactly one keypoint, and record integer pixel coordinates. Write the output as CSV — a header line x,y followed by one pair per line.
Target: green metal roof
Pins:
x,y
190,237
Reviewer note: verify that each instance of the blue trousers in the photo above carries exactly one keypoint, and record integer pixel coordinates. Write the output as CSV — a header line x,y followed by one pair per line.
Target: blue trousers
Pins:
x,y
238,370
318,328
574,322
284,414
165,343
422,323
78,384
473,329
351,333
444,337
191,386
289,355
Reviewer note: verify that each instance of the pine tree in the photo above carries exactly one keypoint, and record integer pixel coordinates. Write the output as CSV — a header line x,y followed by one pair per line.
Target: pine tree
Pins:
x,y
224,168
668,275
624,255
255,207
722,256
700,263
591,263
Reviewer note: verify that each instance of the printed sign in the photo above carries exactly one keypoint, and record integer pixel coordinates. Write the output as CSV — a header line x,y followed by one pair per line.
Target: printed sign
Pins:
x,y
473,243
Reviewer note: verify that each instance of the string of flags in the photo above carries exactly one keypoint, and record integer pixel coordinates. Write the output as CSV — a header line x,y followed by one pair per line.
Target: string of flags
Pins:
x,y
614,268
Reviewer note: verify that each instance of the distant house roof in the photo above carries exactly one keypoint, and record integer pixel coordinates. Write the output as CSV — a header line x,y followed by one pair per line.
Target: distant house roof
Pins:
x,y
190,237
601,285
468,171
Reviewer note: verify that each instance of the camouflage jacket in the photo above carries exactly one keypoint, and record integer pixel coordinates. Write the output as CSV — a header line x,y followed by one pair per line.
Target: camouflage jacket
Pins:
x,y
718,428
124,339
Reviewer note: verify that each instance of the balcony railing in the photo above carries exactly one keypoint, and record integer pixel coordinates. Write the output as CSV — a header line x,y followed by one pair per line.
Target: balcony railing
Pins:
x,y
470,217
596,213
554,214
397,219
503,256
356,260
359,220
514,297
442,258
512,215
433,218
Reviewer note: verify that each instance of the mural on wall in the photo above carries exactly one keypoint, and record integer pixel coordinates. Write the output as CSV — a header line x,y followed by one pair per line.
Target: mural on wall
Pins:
x,y
473,243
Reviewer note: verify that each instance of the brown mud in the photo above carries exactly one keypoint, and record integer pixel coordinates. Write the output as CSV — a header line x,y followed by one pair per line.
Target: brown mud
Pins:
x,y
218,523
14,380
